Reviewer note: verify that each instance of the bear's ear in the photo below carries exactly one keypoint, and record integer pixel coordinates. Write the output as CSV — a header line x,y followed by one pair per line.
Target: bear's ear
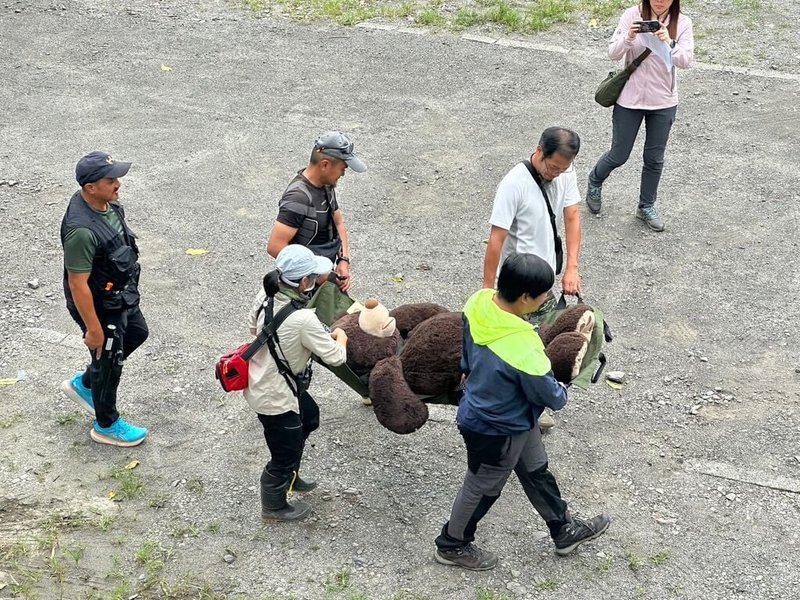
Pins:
x,y
566,353
579,318
396,407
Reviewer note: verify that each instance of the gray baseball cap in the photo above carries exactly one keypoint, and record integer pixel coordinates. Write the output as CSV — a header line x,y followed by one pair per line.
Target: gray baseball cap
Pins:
x,y
338,145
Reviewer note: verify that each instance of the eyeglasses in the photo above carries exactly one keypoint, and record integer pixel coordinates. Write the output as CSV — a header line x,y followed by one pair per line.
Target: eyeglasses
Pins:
x,y
556,170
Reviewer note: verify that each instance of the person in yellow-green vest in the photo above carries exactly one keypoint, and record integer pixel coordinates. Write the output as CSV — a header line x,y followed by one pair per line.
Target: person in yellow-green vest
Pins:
x,y
508,383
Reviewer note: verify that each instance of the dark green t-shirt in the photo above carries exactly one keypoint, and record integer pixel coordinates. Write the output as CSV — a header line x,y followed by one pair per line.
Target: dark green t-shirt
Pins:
x,y
80,244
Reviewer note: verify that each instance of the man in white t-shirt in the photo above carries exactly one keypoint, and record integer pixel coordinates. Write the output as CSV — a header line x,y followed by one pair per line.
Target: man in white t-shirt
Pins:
x,y
520,218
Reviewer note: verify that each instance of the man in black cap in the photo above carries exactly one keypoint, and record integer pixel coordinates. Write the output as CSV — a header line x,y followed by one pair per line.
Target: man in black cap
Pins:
x,y
308,212
101,276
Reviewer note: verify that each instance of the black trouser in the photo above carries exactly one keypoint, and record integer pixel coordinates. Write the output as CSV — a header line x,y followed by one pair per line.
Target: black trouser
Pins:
x,y
490,460
102,376
286,436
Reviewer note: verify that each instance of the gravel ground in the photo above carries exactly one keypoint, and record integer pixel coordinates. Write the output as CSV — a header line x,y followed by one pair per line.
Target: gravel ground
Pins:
x,y
696,458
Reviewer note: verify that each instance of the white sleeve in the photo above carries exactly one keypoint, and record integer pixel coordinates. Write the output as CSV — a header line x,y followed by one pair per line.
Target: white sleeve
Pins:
x,y
316,338
506,201
252,318
571,194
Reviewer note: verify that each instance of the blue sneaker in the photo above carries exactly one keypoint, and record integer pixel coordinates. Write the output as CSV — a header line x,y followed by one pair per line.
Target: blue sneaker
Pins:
x,y
119,433
78,393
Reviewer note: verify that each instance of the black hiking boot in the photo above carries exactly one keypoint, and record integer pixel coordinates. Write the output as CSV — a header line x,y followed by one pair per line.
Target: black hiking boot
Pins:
x,y
577,531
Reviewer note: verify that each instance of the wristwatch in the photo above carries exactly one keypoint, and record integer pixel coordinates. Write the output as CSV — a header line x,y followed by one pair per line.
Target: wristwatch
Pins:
x,y
344,259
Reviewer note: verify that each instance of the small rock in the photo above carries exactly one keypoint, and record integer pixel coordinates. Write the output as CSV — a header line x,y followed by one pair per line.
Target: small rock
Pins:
x,y
703,359
34,284
731,496
350,492
616,376
229,558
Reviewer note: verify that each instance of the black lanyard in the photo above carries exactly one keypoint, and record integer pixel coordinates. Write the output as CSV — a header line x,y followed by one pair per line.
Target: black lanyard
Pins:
x,y
556,238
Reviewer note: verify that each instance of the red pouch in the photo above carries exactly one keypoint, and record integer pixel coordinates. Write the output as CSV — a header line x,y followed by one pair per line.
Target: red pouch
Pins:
x,y
232,370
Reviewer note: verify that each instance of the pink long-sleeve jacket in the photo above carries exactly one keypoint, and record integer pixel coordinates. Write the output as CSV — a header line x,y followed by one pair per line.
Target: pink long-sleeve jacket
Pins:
x,y
651,86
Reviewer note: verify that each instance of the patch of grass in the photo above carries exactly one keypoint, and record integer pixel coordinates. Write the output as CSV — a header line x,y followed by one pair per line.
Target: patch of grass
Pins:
x,y
431,18
661,558
130,483
104,522
213,527
77,553
634,562
186,531
68,419
151,556
196,486
605,564
121,590
338,582
544,14
406,595
508,15
9,421
158,501
24,583
548,584
484,594
17,549
603,10
465,17
747,4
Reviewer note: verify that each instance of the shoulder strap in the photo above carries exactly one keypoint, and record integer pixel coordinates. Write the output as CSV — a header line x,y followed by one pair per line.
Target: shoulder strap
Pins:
x,y
300,184
636,62
270,327
556,238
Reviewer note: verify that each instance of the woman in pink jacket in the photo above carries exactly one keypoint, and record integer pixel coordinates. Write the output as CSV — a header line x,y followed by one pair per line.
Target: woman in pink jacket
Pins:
x,y
651,94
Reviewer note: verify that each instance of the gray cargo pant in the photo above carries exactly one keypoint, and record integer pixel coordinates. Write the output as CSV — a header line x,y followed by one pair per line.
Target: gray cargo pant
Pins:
x,y
490,460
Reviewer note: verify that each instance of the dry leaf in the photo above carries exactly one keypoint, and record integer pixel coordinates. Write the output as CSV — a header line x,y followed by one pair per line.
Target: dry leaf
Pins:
x,y
397,279
112,495
593,24
9,381
132,465
196,251
166,68
614,384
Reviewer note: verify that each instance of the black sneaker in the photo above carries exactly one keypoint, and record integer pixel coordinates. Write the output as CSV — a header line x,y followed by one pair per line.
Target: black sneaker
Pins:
x,y
467,557
577,531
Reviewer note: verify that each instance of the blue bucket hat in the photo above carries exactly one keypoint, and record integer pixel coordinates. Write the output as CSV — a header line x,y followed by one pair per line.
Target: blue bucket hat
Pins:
x,y
295,262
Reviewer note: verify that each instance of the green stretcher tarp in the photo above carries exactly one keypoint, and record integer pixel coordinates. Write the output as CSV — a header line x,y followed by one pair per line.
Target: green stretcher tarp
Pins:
x,y
331,304
594,361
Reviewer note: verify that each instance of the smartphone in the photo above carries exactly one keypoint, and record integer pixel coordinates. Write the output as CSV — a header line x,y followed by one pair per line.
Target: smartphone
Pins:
x,y
648,26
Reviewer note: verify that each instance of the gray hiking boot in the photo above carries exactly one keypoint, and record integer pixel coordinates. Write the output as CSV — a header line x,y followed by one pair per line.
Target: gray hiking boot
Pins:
x,y
577,531
649,215
594,197
467,557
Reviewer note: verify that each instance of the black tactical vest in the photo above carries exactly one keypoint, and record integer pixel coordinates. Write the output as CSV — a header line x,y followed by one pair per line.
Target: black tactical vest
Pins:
x,y
311,226
114,279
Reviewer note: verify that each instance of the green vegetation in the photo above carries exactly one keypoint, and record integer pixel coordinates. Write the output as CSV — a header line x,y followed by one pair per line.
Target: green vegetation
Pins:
x,y
661,558
484,594
514,16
